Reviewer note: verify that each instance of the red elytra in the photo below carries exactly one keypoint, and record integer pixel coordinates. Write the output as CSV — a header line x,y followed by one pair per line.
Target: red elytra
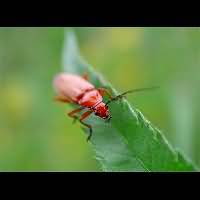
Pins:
x,y
77,90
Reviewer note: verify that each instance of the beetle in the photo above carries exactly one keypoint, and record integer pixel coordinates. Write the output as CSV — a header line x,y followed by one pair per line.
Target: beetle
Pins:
x,y
78,90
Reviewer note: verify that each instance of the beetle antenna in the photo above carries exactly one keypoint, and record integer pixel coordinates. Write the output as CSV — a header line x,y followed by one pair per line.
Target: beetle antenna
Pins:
x,y
131,91
139,90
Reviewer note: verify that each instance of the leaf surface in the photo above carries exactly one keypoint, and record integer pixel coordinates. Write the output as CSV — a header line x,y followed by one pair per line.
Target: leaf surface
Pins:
x,y
129,142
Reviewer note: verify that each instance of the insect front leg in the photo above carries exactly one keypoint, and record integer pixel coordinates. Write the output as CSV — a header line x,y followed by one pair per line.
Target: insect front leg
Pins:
x,y
104,91
115,98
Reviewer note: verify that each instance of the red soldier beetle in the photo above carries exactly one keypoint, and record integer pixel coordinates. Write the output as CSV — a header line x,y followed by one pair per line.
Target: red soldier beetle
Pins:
x,y
78,90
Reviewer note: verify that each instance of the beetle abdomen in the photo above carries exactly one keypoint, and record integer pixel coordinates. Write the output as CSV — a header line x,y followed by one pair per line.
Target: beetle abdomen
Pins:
x,y
71,86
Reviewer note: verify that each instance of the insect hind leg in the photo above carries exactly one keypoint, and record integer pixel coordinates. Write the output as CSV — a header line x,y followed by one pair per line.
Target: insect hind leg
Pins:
x,y
62,99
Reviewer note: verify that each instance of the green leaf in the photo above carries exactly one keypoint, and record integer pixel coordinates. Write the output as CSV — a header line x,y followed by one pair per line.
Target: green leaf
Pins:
x,y
129,142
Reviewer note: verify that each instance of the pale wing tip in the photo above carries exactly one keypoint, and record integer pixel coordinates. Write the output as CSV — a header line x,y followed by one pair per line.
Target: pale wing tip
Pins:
x,y
58,81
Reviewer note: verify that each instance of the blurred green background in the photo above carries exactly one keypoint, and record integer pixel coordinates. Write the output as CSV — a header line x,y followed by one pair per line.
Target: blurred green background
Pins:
x,y
35,132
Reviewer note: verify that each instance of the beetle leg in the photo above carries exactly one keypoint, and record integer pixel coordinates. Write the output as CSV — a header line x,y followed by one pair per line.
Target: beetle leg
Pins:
x,y
104,91
115,99
84,116
72,113
85,76
62,99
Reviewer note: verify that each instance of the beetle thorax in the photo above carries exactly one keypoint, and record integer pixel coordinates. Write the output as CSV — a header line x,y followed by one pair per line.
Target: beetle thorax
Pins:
x,y
90,98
